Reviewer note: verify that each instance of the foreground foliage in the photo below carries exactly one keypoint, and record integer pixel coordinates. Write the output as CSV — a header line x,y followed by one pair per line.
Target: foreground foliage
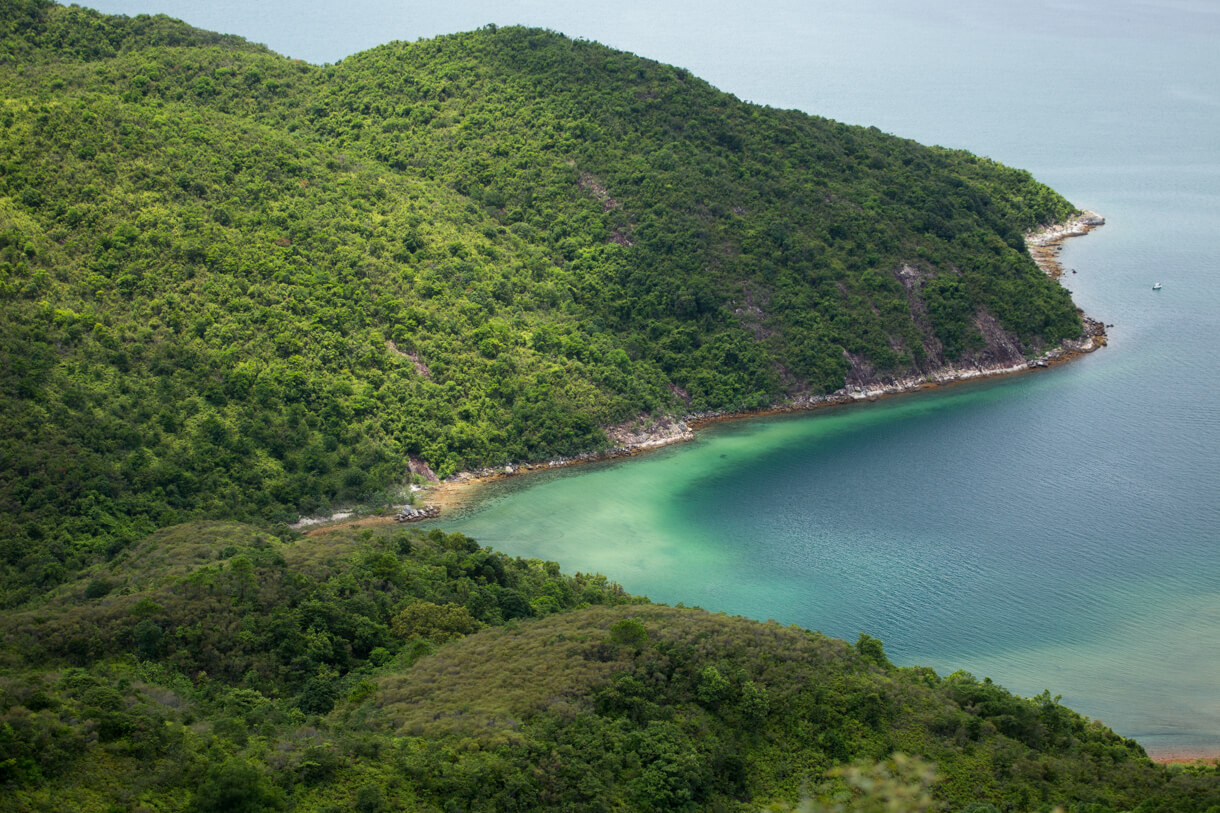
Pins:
x,y
222,668
233,285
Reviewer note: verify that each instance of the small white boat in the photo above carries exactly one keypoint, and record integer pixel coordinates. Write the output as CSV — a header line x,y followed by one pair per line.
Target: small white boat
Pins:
x,y
1156,287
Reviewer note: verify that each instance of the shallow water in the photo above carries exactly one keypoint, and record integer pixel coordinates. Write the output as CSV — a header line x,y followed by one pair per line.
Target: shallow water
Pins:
x,y
954,525
1058,530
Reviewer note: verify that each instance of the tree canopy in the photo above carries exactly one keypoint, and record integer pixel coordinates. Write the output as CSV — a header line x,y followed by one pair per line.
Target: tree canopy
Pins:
x,y
219,667
237,285
235,288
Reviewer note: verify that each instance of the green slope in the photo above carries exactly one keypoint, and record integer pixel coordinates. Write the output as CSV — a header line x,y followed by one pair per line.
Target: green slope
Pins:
x,y
235,285
238,287
216,667
743,223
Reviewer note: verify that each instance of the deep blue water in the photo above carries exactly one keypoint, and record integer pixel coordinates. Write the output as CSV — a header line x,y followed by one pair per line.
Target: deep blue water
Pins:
x,y
1059,530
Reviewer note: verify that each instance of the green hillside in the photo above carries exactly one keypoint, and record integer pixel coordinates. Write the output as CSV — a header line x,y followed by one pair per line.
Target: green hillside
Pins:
x,y
238,286
214,667
235,288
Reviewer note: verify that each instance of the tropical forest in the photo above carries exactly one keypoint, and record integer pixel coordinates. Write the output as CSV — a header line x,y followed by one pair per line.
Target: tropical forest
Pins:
x,y
238,289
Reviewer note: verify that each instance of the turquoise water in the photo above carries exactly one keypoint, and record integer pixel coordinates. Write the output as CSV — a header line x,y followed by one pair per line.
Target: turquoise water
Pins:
x,y
951,525
1059,530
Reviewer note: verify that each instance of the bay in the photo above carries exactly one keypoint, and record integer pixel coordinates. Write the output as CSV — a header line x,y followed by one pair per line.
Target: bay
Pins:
x,y
1058,530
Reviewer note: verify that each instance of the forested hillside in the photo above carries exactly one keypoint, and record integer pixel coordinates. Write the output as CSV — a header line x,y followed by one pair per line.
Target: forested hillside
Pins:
x,y
235,288
236,285
215,667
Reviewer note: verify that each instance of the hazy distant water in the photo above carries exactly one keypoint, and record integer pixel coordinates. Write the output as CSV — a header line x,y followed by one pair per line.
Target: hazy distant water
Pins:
x,y
1056,531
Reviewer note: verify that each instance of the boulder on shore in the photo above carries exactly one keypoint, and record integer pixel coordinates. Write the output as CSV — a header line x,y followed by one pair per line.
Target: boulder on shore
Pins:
x,y
410,514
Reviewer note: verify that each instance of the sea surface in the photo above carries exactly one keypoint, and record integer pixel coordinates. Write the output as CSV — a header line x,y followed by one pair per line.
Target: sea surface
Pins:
x,y
1059,530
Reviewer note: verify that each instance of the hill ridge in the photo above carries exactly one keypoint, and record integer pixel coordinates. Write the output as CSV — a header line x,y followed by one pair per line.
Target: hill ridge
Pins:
x,y
239,286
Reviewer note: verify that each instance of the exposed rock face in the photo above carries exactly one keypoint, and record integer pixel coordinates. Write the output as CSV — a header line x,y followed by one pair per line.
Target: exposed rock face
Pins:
x,y
421,468
598,190
646,432
1044,243
1082,223
420,367
1001,346
913,280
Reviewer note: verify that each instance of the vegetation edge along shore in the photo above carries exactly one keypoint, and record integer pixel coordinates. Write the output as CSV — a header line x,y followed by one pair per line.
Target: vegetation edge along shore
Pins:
x,y
237,288
458,489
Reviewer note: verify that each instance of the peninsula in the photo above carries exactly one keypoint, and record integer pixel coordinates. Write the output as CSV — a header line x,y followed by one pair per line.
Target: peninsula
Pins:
x,y
237,289
241,286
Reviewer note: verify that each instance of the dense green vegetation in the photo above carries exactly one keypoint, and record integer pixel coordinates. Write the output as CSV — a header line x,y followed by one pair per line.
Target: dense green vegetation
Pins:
x,y
235,288
238,286
214,666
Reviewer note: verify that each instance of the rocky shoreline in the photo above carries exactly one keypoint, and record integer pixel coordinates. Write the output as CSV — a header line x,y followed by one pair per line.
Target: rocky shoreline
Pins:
x,y
1044,243
641,435
646,433
410,514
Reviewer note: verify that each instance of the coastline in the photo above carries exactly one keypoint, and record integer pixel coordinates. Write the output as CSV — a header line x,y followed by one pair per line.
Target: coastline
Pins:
x,y
1185,756
645,434
1044,243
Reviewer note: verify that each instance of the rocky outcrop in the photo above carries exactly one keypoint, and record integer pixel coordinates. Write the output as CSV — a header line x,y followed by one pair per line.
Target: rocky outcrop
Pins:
x,y
1044,242
305,522
1082,223
410,514
647,432
417,466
